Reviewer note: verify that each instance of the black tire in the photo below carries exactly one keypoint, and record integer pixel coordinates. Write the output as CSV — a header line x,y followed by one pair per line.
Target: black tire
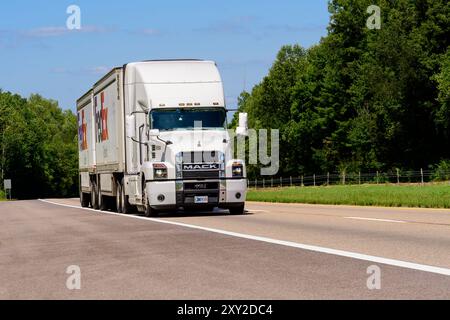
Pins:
x,y
84,200
119,205
102,203
126,207
149,212
238,210
94,196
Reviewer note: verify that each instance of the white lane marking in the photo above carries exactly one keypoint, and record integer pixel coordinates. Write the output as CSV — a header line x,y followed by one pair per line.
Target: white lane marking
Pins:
x,y
374,219
341,253
253,210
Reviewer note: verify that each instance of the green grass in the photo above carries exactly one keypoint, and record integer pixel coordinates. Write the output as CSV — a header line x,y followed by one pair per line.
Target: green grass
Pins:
x,y
2,196
427,196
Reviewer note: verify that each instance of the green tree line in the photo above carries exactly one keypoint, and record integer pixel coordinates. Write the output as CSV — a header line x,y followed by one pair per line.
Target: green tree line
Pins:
x,y
362,99
38,145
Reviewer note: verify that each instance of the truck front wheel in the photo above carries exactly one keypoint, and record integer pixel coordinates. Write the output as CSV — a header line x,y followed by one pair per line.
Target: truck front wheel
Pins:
x,y
149,211
239,210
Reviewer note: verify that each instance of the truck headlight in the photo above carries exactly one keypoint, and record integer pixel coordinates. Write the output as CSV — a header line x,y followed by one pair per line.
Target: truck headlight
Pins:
x,y
159,171
237,170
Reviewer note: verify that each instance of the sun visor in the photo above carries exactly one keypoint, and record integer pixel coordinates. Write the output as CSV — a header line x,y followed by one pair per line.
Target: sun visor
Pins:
x,y
180,95
155,72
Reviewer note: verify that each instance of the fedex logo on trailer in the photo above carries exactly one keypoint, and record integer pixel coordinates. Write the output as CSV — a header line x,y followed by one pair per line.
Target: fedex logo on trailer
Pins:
x,y
82,131
101,117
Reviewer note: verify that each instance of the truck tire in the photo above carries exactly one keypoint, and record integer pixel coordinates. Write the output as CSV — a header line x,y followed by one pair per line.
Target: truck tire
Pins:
x,y
238,210
126,207
84,200
94,197
102,203
149,212
119,203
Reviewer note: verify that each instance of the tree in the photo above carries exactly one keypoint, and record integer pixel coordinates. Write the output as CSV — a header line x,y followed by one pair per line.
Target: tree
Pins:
x,y
443,80
40,146
362,99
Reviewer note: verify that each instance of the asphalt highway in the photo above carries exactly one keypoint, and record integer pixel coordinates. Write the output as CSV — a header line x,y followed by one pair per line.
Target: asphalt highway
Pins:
x,y
275,251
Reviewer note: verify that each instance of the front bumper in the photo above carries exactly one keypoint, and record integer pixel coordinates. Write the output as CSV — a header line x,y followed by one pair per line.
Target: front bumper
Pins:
x,y
176,194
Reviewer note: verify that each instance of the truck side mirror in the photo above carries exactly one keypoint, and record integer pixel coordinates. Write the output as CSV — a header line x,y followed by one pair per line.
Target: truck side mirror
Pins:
x,y
131,126
242,129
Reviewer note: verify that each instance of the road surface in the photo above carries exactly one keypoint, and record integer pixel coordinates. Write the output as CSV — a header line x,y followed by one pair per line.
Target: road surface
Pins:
x,y
275,251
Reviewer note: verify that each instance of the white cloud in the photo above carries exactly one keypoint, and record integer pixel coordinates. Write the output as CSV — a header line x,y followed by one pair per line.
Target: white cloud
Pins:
x,y
236,25
45,32
99,70
286,28
150,32
96,70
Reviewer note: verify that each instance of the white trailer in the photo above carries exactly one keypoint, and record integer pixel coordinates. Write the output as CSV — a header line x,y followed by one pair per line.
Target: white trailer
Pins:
x,y
152,137
86,145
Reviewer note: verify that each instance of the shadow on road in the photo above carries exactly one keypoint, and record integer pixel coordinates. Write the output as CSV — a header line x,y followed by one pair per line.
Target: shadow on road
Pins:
x,y
190,213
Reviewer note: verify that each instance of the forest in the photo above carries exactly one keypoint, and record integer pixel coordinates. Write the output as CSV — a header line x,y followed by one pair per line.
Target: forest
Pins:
x,y
362,99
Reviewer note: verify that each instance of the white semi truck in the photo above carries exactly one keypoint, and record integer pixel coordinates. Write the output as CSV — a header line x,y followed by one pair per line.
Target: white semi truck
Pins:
x,y
153,137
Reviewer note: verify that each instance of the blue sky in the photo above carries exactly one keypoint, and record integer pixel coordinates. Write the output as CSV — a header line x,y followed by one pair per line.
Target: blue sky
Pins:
x,y
38,54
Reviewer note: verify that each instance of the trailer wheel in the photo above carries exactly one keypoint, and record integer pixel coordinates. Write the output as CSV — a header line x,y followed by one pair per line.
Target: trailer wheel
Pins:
x,y
102,203
94,197
84,200
126,207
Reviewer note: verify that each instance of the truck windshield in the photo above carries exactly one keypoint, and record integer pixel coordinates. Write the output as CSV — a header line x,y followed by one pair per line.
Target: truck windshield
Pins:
x,y
173,119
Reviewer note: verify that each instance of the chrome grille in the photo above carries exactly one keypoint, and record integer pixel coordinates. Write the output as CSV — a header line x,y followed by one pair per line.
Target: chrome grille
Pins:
x,y
201,175
200,157
196,159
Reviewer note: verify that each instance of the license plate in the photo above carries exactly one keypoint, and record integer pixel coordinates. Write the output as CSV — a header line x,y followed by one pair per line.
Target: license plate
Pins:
x,y
201,200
